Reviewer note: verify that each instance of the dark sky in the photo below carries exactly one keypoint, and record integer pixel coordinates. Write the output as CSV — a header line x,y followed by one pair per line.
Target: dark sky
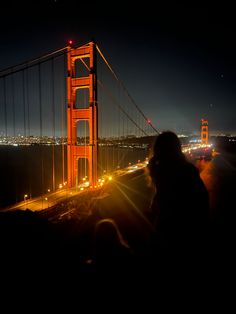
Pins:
x,y
177,61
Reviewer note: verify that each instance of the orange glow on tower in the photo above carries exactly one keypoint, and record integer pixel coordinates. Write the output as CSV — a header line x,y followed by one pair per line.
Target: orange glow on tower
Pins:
x,y
204,131
87,55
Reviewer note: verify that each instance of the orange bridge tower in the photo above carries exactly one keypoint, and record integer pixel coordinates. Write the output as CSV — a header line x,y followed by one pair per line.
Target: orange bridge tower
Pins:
x,y
204,131
75,81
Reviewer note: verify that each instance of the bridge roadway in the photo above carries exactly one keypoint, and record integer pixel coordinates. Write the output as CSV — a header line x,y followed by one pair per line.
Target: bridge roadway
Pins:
x,y
51,199
46,201
129,191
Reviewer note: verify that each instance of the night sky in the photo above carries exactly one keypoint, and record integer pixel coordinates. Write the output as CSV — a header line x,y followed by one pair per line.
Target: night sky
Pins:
x,y
177,62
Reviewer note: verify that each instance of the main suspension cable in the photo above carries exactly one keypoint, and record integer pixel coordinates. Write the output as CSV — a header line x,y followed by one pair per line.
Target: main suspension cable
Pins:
x,y
125,89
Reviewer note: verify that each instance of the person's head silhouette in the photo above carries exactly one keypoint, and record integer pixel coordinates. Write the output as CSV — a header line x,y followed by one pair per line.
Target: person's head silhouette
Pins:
x,y
107,235
167,147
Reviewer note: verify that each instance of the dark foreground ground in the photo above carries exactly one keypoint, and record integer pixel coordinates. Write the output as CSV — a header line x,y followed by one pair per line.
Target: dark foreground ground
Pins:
x,y
43,253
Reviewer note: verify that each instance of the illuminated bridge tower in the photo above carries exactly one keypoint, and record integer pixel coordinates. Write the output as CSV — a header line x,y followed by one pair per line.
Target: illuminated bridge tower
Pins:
x,y
87,56
204,131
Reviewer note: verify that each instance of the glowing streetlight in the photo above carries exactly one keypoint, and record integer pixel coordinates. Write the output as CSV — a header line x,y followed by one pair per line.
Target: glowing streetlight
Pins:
x,y
25,199
46,199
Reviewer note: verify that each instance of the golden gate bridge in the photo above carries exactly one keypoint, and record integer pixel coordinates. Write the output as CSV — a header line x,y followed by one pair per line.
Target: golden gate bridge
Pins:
x,y
73,124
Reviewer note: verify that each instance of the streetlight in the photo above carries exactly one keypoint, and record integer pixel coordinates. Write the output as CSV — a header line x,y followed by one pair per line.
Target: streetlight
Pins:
x,y
25,199
46,199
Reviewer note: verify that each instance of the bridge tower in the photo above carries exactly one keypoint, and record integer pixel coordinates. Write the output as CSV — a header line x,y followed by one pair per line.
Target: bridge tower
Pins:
x,y
204,131
87,55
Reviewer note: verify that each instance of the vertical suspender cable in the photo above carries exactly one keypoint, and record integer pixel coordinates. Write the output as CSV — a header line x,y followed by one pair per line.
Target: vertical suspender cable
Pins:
x,y
13,106
100,135
14,129
41,130
118,136
62,118
24,118
113,135
5,105
53,126
85,134
24,109
28,123
28,103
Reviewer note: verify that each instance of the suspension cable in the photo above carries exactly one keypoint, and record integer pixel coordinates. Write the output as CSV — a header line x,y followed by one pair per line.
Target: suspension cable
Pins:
x,y
28,103
13,106
53,126
5,105
125,89
41,131
62,120
30,63
122,109
33,62
24,110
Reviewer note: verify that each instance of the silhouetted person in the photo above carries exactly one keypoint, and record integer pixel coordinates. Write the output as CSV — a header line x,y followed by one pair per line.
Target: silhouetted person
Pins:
x,y
111,254
180,206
